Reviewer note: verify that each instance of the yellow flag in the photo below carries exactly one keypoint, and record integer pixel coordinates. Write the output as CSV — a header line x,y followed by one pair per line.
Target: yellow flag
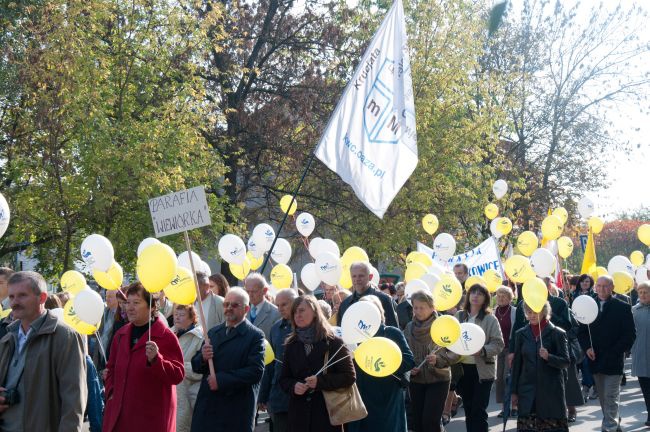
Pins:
x,y
590,254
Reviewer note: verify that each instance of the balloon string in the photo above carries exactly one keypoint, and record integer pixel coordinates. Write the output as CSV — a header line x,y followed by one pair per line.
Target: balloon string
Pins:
x,y
150,297
425,359
101,347
331,364
330,360
590,342
539,324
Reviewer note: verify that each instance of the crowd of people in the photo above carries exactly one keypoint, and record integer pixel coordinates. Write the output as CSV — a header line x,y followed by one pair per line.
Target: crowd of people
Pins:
x,y
151,366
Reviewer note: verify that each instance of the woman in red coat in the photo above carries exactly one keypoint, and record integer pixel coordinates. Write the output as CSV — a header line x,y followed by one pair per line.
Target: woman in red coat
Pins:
x,y
142,374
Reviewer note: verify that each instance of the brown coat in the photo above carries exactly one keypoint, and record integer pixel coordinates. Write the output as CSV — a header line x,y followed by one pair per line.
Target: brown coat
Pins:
x,y
54,377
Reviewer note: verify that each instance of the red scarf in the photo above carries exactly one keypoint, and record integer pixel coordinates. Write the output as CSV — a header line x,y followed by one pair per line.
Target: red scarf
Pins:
x,y
537,329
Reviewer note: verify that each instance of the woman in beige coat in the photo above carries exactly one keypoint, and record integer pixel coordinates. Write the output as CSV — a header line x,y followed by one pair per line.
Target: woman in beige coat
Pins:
x,y
190,337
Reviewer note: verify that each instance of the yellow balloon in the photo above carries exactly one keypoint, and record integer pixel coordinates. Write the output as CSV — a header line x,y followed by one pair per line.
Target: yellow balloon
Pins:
x,y
474,280
504,225
535,293
527,243
491,211
156,267
420,257
623,282
596,272
415,271
354,254
561,213
281,276
637,258
447,292
181,289
269,355
430,223
644,234
240,271
285,201
254,262
596,224
110,280
445,330
70,318
493,280
518,268
72,281
552,227
378,356
564,246
346,279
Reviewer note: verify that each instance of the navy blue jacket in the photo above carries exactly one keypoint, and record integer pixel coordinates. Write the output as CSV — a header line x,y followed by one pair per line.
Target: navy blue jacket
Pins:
x,y
276,400
239,365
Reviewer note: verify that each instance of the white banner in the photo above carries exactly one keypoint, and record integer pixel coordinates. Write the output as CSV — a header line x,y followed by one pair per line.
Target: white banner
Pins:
x,y
478,260
370,140
179,211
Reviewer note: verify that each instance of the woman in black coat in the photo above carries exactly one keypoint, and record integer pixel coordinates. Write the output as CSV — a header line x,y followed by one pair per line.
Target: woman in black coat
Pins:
x,y
304,356
537,374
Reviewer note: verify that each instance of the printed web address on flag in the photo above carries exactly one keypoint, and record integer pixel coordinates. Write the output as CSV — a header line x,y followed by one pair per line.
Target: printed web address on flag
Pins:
x,y
378,172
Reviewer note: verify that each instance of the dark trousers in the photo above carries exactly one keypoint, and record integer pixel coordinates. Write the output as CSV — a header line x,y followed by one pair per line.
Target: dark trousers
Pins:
x,y
280,422
427,404
476,397
644,382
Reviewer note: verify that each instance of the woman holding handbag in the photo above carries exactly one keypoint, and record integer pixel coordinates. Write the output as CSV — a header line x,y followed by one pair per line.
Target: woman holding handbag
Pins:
x,y
309,348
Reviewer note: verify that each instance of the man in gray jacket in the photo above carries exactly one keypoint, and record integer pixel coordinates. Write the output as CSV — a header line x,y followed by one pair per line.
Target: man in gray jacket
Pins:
x,y
262,314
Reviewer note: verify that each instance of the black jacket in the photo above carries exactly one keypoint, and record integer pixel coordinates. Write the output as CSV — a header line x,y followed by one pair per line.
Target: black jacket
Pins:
x,y
404,314
386,302
612,334
559,316
539,383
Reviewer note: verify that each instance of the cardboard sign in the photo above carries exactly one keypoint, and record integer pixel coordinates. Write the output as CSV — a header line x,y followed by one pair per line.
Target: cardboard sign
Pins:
x,y
179,211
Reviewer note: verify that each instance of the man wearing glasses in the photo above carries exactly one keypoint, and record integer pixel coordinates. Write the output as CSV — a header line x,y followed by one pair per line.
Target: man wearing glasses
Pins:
x,y
237,349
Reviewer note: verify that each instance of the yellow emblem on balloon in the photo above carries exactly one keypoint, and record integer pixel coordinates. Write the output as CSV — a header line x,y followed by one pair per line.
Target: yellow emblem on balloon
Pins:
x,y
72,281
254,262
493,280
70,318
527,242
414,271
445,330
552,227
156,267
281,276
240,271
420,257
643,232
285,202
535,294
564,246
504,225
561,213
447,292
623,282
491,211
636,258
269,355
181,289
475,280
596,224
110,280
378,356
518,268
430,223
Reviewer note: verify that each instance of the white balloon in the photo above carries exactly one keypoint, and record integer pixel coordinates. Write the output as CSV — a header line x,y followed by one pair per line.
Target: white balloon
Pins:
x,y
327,245
264,234
436,269
328,267
5,215
281,252
145,243
204,267
309,276
338,331
471,340
493,228
314,246
232,249
58,313
97,251
415,285
89,306
431,280
543,262
360,322
305,224
641,274
552,247
444,246
620,263
374,275
586,207
585,309
256,245
184,260
500,187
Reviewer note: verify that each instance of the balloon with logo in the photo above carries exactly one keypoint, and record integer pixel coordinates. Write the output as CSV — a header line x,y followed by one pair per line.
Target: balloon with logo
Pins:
x,y
643,232
309,276
492,279
623,282
415,271
535,294
255,262
431,280
445,330
264,235
360,322
110,280
542,262
585,309
552,227
494,228
89,306
71,318
500,188
504,226
586,207
157,265
595,224
281,276
232,249
527,243
97,252
430,223
146,242
475,280
518,268
255,249
269,355
420,257
414,286
5,215
305,224
444,246
491,211
564,246
328,267
181,289
471,340
354,254
378,357
240,271
641,274
288,204
72,282
620,263
447,292
281,252
561,213
636,258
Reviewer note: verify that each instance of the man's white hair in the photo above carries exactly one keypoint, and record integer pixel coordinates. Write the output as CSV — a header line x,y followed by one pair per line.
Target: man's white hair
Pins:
x,y
360,264
258,278
239,293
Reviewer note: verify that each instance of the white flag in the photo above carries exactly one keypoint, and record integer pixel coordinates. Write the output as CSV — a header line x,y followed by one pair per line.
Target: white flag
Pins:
x,y
370,140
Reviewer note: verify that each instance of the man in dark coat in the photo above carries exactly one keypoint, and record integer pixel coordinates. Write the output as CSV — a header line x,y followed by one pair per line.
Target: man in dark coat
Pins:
x,y
404,314
612,335
237,349
360,274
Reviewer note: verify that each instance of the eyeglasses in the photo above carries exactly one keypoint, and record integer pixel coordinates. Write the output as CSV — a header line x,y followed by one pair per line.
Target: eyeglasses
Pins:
x,y
233,305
